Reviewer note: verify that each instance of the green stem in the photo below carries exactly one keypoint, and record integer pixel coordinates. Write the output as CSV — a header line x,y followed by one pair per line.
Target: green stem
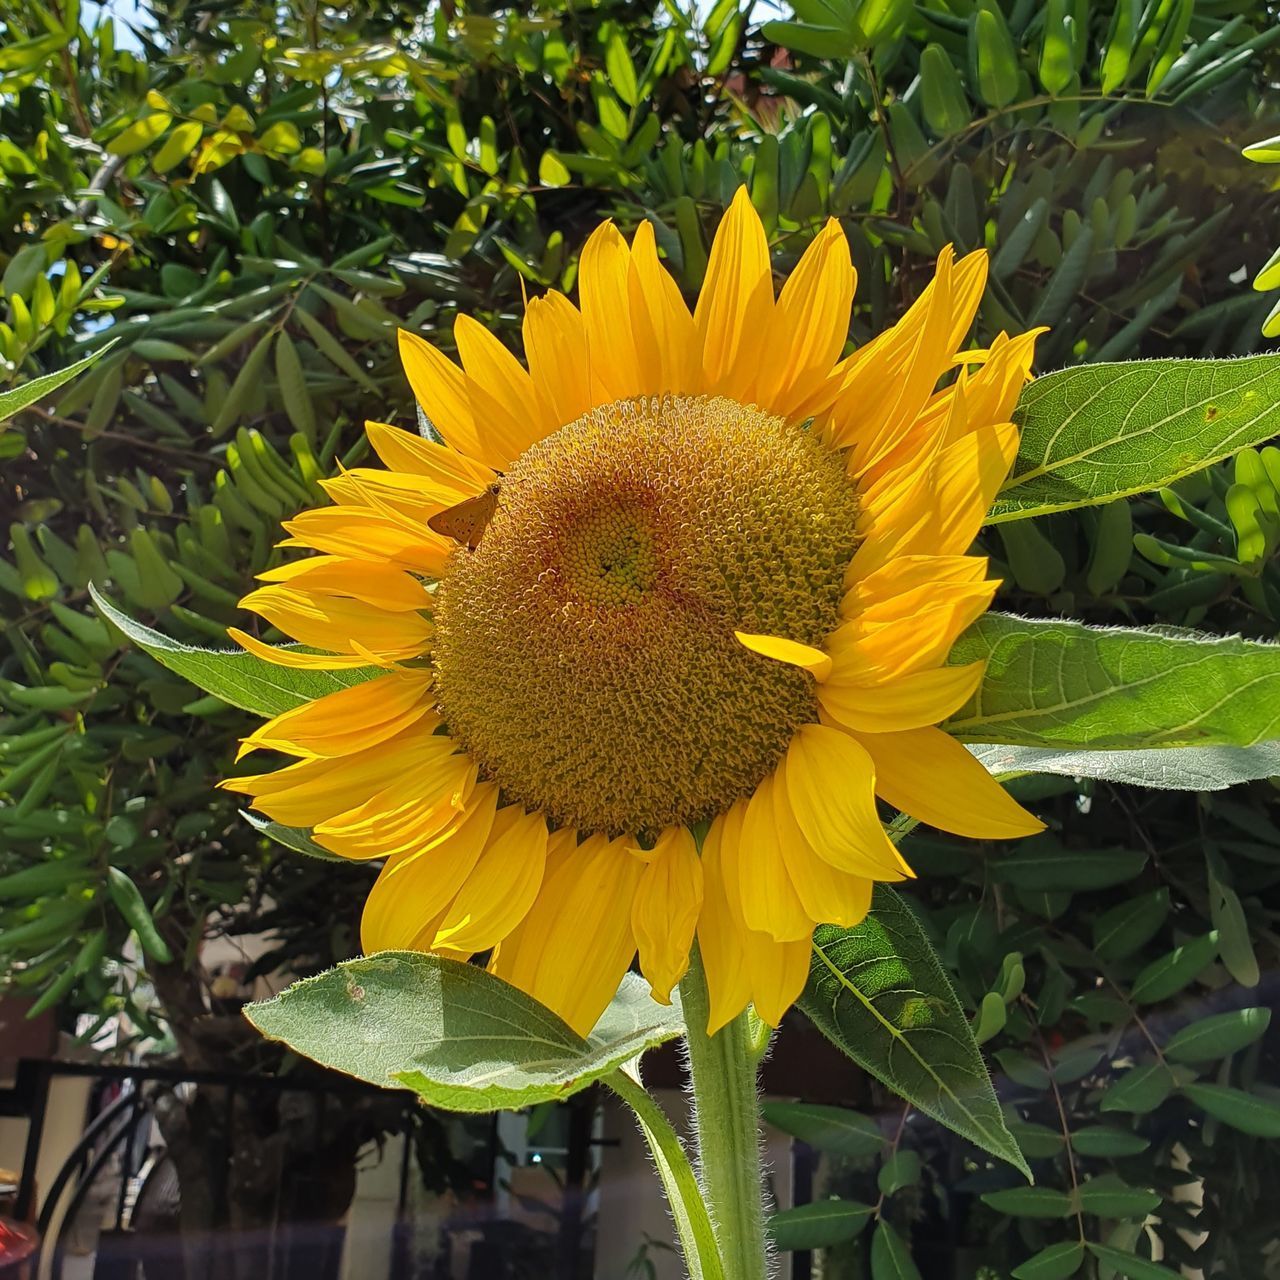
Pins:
x,y
693,1225
726,1102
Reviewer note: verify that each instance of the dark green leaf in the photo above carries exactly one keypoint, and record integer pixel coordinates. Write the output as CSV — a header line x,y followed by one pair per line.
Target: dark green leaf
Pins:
x,y
1139,1090
18,398
890,1257
1129,1264
1102,1140
1109,1196
879,993
1218,1036
819,1225
1041,863
1030,1202
834,1129
1167,976
1057,1262
1244,1111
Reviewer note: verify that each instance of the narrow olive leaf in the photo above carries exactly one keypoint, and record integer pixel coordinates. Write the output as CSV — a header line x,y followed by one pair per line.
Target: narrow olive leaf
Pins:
x,y
1244,1111
1125,928
1163,768
1169,974
1109,1196
457,1036
1042,863
890,1257
1057,1262
128,899
834,1129
1063,684
237,677
879,993
18,398
1140,1090
819,1225
1103,1140
1129,1264
1102,431
1030,1202
1216,1037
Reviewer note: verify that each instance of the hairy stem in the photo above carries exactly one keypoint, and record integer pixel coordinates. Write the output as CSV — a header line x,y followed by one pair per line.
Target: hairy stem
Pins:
x,y
726,1100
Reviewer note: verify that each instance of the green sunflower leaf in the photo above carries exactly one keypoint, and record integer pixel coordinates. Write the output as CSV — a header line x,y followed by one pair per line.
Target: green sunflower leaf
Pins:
x,y
1102,431
1063,684
238,678
457,1036
879,993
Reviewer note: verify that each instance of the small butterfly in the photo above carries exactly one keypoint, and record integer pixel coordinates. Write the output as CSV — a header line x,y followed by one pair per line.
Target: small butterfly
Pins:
x,y
466,521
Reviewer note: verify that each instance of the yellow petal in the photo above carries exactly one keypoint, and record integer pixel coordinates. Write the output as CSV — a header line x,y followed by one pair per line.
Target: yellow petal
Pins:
x,y
720,940
380,585
555,344
415,807
576,942
413,889
778,972
827,894
830,785
665,911
734,315
363,534
415,497
311,791
348,720
811,324
792,652
406,452
292,658
605,293
908,702
502,886
928,774
656,297
510,414
440,387
758,872
333,622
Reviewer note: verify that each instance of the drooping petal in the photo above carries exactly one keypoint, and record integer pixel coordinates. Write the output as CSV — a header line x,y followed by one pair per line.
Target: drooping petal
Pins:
x,y
778,972
827,894
381,585
720,940
755,870
929,775
576,942
364,534
502,886
664,914
284,657
830,783
414,889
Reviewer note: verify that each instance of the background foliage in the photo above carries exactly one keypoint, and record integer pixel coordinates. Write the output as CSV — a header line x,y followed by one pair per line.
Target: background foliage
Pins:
x,y
248,200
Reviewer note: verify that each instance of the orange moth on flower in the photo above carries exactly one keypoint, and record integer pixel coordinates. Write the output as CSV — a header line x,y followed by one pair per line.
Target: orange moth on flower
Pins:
x,y
715,593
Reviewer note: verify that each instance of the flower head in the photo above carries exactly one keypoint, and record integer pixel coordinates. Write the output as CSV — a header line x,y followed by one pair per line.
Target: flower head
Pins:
x,y
704,576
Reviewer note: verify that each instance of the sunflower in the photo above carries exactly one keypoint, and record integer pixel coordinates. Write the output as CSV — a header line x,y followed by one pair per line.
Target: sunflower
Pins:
x,y
655,696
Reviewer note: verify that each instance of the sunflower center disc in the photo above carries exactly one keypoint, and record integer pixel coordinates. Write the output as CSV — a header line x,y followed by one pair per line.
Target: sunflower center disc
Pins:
x,y
584,651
